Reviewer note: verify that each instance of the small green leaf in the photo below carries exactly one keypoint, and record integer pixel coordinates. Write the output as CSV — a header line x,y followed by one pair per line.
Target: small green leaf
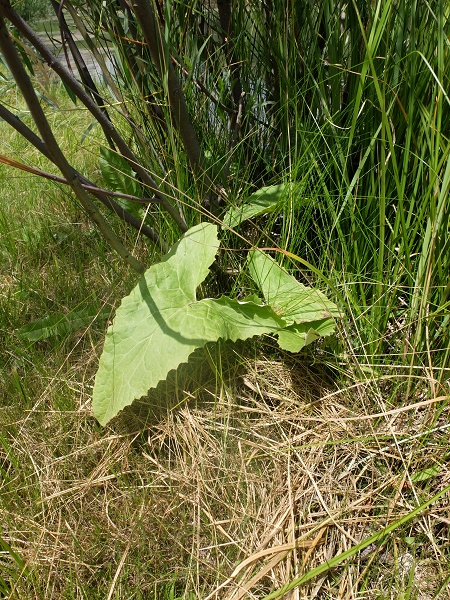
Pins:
x,y
426,474
47,100
44,328
295,337
265,200
69,91
59,324
119,177
88,129
25,58
295,302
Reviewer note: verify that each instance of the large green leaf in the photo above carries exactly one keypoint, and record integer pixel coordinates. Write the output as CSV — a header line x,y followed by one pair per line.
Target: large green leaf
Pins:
x,y
161,322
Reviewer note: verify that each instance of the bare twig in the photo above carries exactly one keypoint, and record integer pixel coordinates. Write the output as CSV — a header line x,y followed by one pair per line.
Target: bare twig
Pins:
x,y
93,189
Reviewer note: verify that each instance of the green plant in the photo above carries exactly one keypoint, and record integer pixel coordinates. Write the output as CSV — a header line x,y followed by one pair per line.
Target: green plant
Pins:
x,y
347,106
161,322
321,135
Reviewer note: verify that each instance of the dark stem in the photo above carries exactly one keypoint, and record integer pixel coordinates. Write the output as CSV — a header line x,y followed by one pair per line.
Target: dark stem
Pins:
x,y
235,136
85,76
136,69
161,58
198,84
106,125
23,82
224,8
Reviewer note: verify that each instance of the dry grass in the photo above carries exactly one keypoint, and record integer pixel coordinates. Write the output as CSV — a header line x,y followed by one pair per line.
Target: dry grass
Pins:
x,y
230,498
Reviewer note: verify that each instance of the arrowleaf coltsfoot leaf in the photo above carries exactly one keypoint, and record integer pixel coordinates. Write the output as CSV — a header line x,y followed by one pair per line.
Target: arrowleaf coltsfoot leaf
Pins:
x,y
160,324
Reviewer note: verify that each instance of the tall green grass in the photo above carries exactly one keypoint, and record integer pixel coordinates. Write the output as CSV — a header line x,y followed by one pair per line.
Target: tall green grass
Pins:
x,y
365,121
